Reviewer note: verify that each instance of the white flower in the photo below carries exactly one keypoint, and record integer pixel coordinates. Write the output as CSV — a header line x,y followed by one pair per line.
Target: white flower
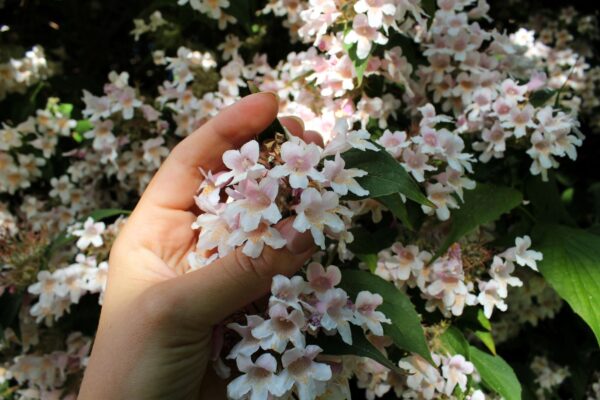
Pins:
x,y
286,291
455,370
302,371
364,36
90,234
394,142
243,164
256,239
154,151
253,202
500,271
213,228
342,180
365,314
300,161
281,328
416,164
442,197
522,255
321,279
375,10
490,297
46,286
260,379
333,306
249,344
315,212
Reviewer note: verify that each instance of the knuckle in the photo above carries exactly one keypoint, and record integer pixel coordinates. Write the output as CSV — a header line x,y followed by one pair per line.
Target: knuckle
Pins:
x,y
262,267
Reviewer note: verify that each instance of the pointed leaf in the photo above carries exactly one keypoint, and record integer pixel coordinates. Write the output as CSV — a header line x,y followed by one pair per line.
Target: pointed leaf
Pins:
x,y
571,265
484,204
385,175
405,330
333,345
496,374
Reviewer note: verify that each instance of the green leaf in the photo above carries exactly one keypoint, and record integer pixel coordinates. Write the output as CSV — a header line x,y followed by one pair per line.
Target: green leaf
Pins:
x,y
454,342
496,374
571,265
545,200
385,175
83,126
405,330
65,109
395,204
370,260
360,346
486,203
99,215
366,242
487,339
541,97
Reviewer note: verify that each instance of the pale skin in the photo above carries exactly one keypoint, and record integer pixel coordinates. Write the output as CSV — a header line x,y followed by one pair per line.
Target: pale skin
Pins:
x,y
154,336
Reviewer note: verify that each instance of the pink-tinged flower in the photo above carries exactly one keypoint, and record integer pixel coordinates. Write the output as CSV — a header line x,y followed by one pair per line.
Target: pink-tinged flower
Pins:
x,y
256,239
522,255
490,296
442,197
287,291
501,271
213,228
393,142
259,380
209,196
541,152
502,107
520,119
154,151
91,233
342,180
300,161
102,134
126,102
375,10
335,313
428,141
302,371
317,211
46,287
455,370
403,261
249,344
243,164
513,91
456,180
415,162
282,327
422,376
253,202
365,314
364,36
343,140
321,279
494,142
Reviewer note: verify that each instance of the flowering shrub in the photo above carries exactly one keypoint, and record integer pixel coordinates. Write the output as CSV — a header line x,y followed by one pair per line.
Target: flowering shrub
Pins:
x,y
442,199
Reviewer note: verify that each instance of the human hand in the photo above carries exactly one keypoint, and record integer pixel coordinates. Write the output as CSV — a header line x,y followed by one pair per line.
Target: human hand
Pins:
x,y
154,336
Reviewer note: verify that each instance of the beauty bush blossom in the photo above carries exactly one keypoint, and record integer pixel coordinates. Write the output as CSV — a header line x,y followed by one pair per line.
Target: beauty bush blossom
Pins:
x,y
454,100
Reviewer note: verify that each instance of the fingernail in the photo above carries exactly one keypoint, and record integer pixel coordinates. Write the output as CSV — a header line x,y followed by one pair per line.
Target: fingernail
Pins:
x,y
274,95
298,120
297,242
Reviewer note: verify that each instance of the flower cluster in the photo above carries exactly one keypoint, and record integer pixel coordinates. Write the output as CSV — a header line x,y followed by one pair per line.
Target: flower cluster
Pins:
x,y
17,74
548,376
298,309
443,282
258,189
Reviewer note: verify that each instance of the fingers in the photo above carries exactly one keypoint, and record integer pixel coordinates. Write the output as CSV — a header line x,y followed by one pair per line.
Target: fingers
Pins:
x,y
207,296
177,180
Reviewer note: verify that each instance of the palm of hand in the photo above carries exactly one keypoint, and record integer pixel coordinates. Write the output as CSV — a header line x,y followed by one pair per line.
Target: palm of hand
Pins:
x,y
165,319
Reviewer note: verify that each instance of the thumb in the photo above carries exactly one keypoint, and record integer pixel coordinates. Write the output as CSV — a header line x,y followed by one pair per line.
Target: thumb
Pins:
x,y
210,294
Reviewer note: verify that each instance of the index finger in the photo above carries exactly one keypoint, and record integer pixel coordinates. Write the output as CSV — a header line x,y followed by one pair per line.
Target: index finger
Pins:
x,y
178,179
